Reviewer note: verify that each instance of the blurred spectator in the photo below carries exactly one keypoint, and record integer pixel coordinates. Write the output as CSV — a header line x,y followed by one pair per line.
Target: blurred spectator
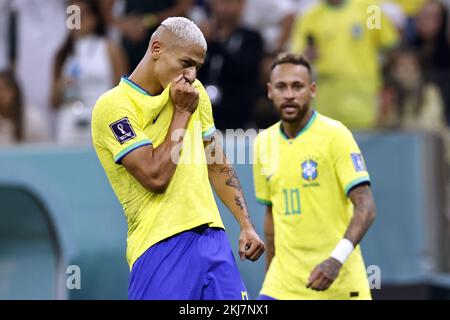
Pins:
x,y
232,65
336,35
264,114
41,28
411,9
304,5
4,34
276,35
447,5
199,12
414,103
274,27
395,13
140,20
111,10
86,66
18,123
432,43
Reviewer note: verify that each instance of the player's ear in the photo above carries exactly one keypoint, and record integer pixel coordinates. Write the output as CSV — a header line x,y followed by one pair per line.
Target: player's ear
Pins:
x,y
269,91
155,48
313,88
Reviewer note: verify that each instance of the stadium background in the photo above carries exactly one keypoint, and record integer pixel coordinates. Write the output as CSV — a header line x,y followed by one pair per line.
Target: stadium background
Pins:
x,y
59,215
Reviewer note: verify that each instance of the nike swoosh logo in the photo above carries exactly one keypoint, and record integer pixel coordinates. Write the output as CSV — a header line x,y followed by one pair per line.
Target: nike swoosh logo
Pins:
x,y
269,177
154,120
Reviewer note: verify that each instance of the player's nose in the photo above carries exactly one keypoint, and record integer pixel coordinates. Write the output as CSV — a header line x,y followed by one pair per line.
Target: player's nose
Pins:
x,y
289,94
190,74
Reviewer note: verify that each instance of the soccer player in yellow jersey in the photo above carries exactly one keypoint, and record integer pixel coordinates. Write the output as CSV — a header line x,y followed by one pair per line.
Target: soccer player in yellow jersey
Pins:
x,y
344,39
310,174
411,7
152,134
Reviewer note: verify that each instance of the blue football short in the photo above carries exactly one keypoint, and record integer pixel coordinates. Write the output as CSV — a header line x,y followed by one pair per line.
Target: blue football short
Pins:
x,y
197,264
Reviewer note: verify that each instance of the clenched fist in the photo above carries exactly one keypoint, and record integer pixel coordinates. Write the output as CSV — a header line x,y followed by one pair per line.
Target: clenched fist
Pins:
x,y
184,96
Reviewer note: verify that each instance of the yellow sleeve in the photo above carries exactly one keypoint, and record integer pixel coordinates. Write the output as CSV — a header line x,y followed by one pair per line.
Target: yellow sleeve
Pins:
x,y
262,190
298,35
117,128
305,25
387,35
206,113
348,160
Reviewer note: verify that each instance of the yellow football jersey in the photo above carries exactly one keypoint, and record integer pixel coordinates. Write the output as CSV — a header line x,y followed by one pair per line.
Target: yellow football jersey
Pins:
x,y
411,7
348,41
126,118
306,181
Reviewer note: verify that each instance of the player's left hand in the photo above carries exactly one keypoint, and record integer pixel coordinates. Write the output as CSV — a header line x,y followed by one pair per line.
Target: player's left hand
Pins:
x,y
250,245
324,275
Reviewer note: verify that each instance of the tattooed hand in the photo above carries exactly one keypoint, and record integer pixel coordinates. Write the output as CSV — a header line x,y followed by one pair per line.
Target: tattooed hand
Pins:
x,y
324,275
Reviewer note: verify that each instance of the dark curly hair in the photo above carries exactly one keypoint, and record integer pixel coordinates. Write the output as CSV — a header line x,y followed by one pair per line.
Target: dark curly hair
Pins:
x,y
289,57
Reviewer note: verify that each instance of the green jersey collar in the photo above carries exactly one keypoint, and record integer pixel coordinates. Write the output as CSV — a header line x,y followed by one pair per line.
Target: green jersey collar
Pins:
x,y
135,86
303,130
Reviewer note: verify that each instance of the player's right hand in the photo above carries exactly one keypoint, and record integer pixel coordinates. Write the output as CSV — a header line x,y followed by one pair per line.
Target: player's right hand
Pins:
x,y
184,95
324,275
251,247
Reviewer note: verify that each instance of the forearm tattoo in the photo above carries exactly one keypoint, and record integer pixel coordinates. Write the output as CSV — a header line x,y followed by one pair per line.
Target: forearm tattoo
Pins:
x,y
361,197
364,213
241,203
233,180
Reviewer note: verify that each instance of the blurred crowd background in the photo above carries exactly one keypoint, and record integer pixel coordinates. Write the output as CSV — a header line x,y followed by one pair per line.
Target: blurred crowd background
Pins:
x,y
382,68
379,64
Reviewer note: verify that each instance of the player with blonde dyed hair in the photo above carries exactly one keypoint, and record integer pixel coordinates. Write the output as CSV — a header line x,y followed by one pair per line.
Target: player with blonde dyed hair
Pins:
x,y
184,29
176,246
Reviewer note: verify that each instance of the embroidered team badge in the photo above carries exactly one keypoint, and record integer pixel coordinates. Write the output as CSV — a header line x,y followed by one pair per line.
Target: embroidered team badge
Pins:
x,y
309,170
123,131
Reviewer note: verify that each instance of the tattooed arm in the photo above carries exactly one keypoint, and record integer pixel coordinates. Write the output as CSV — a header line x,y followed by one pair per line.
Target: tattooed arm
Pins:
x,y
363,215
225,182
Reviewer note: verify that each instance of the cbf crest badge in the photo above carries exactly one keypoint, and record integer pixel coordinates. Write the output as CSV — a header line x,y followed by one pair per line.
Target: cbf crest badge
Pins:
x,y
357,31
309,170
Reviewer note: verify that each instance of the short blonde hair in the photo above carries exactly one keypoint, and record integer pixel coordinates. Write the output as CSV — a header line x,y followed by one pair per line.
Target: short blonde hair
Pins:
x,y
186,30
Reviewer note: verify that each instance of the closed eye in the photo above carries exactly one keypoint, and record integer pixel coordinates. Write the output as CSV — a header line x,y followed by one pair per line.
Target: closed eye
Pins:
x,y
189,63
186,63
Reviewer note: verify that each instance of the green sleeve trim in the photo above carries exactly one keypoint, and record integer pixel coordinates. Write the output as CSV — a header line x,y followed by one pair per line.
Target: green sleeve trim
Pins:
x,y
264,202
130,148
209,133
355,183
